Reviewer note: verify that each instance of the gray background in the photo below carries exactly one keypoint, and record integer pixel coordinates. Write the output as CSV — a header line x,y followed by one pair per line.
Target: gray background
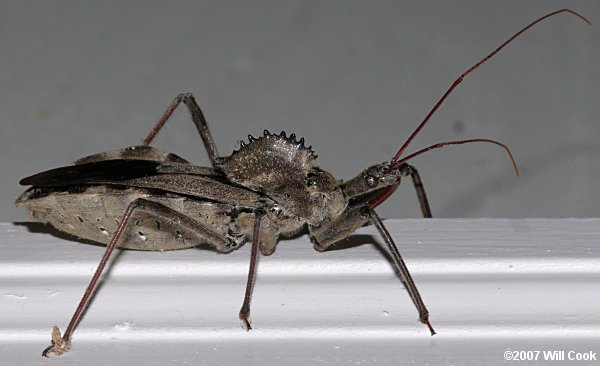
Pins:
x,y
354,78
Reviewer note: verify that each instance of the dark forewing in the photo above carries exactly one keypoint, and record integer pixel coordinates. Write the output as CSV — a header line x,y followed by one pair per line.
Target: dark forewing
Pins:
x,y
150,174
112,171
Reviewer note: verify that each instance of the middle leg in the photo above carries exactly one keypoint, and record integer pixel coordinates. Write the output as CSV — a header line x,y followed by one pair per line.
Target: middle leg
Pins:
x,y
198,119
245,309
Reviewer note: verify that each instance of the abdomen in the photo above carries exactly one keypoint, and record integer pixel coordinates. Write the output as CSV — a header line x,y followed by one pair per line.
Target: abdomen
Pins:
x,y
93,213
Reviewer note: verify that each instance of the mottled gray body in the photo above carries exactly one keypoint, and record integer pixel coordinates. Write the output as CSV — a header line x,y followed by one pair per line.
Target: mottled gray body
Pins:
x,y
274,173
91,208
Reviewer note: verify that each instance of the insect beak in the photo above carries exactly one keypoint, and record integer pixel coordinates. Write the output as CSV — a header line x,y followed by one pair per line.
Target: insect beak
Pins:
x,y
384,194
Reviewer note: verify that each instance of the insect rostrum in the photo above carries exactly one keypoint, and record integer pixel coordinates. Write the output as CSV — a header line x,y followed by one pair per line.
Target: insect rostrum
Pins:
x,y
142,198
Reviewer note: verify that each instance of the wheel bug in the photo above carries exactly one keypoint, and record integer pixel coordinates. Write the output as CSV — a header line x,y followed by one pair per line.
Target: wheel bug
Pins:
x,y
144,199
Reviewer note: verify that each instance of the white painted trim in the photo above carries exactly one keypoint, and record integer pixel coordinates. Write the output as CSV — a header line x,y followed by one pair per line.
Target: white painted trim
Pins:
x,y
491,285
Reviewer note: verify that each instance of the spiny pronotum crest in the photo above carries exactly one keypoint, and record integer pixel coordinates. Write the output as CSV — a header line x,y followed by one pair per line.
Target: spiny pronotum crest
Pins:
x,y
262,161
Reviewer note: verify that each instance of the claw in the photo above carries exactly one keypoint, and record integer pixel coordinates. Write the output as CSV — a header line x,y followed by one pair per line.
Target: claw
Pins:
x,y
58,346
245,321
426,322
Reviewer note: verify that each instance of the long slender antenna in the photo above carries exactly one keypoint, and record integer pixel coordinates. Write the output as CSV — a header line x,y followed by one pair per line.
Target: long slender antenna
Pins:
x,y
397,163
380,198
471,69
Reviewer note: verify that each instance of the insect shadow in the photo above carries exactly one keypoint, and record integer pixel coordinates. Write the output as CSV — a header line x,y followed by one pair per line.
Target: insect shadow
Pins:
x,y
44,228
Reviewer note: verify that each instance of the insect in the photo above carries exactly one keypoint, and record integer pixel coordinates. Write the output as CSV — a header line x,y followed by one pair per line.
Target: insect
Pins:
x,y
142,198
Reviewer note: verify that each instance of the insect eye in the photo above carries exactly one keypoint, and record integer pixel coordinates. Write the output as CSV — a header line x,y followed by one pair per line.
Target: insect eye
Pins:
x,y
371,181
312,181
275,210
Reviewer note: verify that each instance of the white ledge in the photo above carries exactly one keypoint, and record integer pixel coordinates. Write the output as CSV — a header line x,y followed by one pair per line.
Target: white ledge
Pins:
x,y
491,285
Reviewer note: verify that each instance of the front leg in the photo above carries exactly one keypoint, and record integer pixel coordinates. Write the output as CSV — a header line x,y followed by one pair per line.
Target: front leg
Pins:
x,y
353,218
403,269
197,118
419,188
338,229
